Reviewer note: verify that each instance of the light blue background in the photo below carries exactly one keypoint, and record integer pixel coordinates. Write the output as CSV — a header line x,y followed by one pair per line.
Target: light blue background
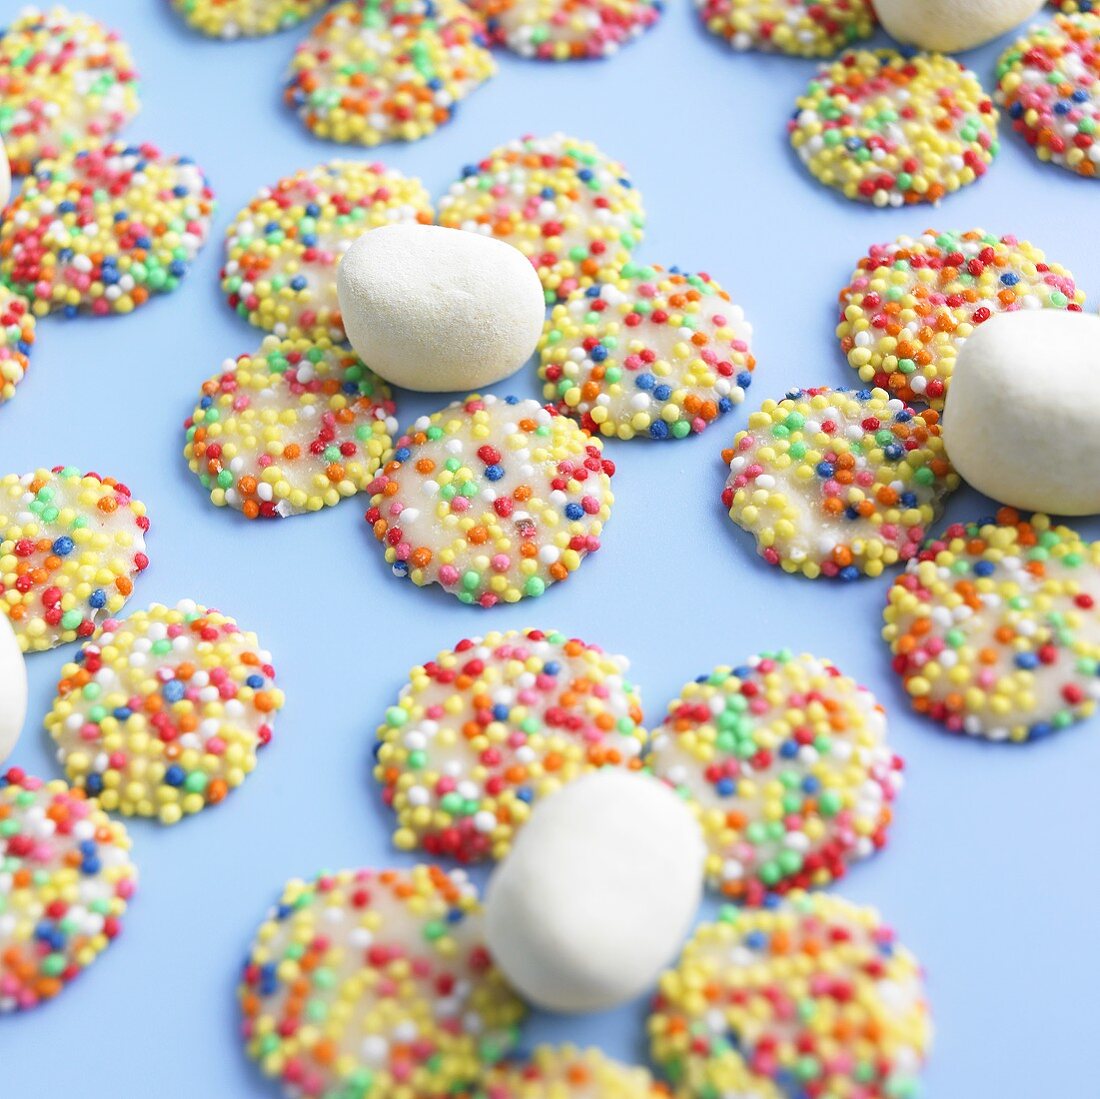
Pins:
x,y
990,875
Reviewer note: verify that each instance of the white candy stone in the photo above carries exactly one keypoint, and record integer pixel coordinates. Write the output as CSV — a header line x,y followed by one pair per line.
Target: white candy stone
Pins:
x,y
597,894
1020,421
13,689
439,310
952,25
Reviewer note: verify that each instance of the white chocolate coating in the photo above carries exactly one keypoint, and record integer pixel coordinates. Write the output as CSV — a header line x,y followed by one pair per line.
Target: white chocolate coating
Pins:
x,y
952,25
13,689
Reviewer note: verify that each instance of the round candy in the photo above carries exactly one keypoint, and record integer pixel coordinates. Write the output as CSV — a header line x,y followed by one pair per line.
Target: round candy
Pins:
x,y
893,130
102,232
65,881
814,993
564,204
803,28
70,547
376,984
995,629
493,498
785,762
481,733
245,18
283,248
565,30
1049,84
838,483
67,83
295,427
16,339
912,303
564,1072
387,70
1072,7
161,714
654,354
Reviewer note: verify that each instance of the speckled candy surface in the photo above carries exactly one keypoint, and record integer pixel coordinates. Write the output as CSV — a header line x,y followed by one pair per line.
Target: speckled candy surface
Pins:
x,y
911,304
495,499
104,231
1049,85
995,629
387,70
17,325
66,880
67,83
376,984
295,427
283,247
161,714
814,994
785,762
70,548
245,18
485,730
892,130
652,353
564,1072
838,483
803,28
562,202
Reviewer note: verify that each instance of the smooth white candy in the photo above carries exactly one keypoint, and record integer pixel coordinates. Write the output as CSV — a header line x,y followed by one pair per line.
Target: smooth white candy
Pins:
x,y
13,689
439,310
597,894
952,25
1021,421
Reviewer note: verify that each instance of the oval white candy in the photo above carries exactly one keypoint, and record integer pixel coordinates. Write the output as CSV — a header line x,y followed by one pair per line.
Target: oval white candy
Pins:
x,y
597,894
952,25
13,689
1020,422
439,310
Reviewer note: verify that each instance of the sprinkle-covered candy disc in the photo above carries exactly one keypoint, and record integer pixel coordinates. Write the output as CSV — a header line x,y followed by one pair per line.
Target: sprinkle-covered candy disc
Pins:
x,y
564,204
295,427
565,30
1049,84
67,83
377,985
245,18
995,628
564,1072
387,70
283,248
912,303
70,547
838,483
16,339
814,993
786,764
493,498
65,882
102,232
653,353
804,28
161,713
481,733
892,130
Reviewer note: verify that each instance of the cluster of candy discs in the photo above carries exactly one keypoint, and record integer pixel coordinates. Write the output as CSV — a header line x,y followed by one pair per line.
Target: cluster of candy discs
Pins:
x,y
245,18
65,881
163,713
374,984
651,353
67,84
838,483
493,499
911,303
564,204
295,427
892,130
813,996
785,761
283,247
70,547
802,28
17,325
482,732
995,628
